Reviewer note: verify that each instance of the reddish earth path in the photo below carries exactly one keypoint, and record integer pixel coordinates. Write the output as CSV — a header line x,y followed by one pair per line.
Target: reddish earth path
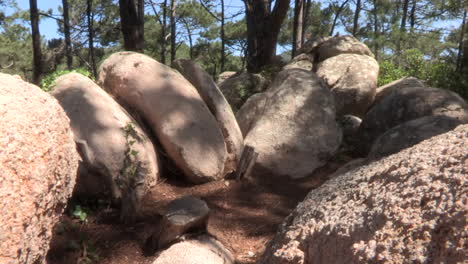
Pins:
x,y
244,217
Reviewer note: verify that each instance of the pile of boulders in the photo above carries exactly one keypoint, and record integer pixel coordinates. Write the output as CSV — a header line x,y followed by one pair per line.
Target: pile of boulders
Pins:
x,y
119,134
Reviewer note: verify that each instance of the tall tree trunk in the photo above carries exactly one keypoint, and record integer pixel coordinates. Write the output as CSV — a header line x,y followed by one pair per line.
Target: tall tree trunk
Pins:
x,y
337,14
356,17
402,29
376,29
92,58
66,29
163,33
306,18
36,41
460,44
413,16
132,21
173,30
263,26
298,26
223,38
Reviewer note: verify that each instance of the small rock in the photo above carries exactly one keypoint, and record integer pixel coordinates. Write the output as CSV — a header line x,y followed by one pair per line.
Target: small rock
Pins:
x,y
203,250
186,214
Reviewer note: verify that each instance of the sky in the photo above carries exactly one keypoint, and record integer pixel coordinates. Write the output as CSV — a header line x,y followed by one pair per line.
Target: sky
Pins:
x,y
48,26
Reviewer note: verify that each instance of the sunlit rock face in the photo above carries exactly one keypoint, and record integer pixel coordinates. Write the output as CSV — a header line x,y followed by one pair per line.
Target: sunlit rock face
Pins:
x,y
172,108
409,207
295,132
106,135
38,167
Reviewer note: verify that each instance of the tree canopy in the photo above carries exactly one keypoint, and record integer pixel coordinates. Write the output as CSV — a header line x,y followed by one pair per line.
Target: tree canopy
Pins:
x,y
425,38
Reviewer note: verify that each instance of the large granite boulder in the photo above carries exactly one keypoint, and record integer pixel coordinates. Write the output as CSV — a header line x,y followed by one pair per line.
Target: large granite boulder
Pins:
x,y
409,207
402,83
218,106
353,81
322,48
202,250
411,133
402,105
172,108
249,112
296,132
238,88
111,143
342,45
38,167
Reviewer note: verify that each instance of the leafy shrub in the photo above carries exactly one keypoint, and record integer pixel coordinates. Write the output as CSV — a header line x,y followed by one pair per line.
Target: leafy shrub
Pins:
x,y
436,73
49,80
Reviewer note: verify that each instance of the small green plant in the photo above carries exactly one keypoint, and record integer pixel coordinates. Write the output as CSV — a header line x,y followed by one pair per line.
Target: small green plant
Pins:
x,y
80,214
48,81
131,165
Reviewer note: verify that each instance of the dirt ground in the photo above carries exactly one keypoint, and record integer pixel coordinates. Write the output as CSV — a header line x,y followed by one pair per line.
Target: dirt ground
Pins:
x,y
244,217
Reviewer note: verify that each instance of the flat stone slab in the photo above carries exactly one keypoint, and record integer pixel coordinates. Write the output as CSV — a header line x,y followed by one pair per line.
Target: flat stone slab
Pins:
x,y
183,215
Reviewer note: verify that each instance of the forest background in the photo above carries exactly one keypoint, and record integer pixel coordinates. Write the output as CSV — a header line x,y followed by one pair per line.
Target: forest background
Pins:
x,y
426,39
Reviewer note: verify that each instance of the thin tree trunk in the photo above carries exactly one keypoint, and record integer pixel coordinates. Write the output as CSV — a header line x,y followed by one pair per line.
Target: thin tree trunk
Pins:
x,y
413,16
163,33
376,30
36,42
460,44
297,26
132,22
402,29
306,18
66,29
356,17
223,38
263,27
337,14
92,58
173,30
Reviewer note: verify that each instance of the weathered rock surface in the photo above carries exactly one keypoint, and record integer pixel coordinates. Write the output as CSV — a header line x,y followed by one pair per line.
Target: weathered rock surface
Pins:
x,y
410,207
297,131
203,250
402,83
181,216
342,45
238,88
248,113
218,106
104,133
411,133
224,76
172,108
353,81
322,48
402,105
38,166
302,61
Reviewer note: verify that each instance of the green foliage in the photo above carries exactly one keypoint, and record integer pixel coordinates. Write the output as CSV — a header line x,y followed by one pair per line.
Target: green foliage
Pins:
x,y
132,165
80,213
436,73
48,82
